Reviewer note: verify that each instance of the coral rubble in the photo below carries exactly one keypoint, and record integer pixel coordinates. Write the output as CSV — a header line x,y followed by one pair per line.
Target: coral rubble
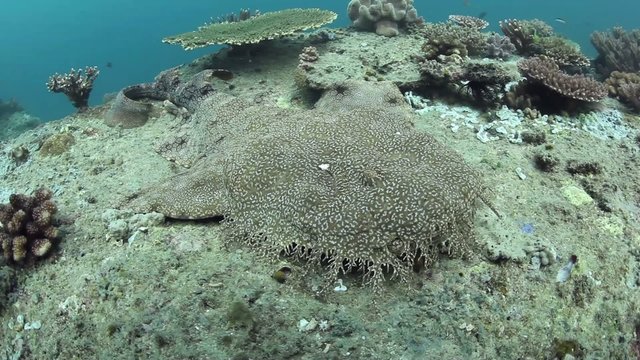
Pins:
x,y
385,17
27,231
76,85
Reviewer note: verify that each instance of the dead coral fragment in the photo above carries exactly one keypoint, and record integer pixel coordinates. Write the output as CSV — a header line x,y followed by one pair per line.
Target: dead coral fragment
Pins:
x,y
547,72
76,84
27,230
385,17
267,26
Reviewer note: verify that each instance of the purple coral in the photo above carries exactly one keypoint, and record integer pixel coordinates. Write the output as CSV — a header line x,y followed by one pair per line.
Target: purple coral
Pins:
x,y
499,47
76,84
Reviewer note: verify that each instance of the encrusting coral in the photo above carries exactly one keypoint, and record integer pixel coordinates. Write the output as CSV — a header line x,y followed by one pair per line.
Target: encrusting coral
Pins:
x,y
385,17
254,29
76,84
350,181
27,230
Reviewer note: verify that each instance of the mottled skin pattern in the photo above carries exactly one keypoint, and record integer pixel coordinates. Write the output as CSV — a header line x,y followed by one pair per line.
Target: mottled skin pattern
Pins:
x,y
350,178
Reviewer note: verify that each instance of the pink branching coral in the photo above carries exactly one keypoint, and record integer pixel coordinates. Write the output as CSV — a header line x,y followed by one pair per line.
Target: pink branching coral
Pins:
x,y
76,84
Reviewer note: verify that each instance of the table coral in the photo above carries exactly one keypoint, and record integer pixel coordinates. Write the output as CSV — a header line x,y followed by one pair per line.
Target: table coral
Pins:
x,y
350,179
27,231
265,26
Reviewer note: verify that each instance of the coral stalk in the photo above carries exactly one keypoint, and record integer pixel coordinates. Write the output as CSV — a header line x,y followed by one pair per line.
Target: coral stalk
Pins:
x,y
76,84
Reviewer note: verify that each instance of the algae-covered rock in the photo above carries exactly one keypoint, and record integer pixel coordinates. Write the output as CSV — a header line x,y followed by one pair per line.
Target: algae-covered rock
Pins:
x,y
57,144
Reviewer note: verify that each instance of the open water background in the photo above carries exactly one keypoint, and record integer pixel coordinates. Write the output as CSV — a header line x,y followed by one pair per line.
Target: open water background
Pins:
x,y
41,37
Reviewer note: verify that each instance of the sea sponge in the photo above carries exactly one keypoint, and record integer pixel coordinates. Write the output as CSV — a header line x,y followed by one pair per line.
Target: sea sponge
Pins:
x,y
384,17
28,231
129,110
265,26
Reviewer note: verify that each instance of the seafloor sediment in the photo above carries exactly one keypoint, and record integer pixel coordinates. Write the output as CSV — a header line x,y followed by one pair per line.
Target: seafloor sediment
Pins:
x,y
126,286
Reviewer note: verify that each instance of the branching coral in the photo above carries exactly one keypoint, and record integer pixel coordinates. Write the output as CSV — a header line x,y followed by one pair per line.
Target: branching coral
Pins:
x,y
242,15
255,29
535,37
618,50
482,82
384,17
547,72
523,33
625,87
447,42
76,84
27,230
469,21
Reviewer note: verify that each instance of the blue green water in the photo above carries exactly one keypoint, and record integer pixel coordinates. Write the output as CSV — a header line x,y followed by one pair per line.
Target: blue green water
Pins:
x,y
41,37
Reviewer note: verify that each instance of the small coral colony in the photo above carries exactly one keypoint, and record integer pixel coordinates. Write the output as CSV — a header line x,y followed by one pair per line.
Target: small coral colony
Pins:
x,y
527,66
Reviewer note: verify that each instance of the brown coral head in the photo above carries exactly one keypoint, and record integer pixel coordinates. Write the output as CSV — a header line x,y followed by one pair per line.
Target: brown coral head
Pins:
x,y
469,21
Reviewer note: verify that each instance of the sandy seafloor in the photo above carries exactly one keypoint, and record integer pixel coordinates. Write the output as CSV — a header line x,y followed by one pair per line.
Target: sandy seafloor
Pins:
x,y
126,287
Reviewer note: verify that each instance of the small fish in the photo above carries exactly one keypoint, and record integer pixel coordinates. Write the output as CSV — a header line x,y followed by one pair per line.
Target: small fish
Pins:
x,y
109,64
482,15
560,20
